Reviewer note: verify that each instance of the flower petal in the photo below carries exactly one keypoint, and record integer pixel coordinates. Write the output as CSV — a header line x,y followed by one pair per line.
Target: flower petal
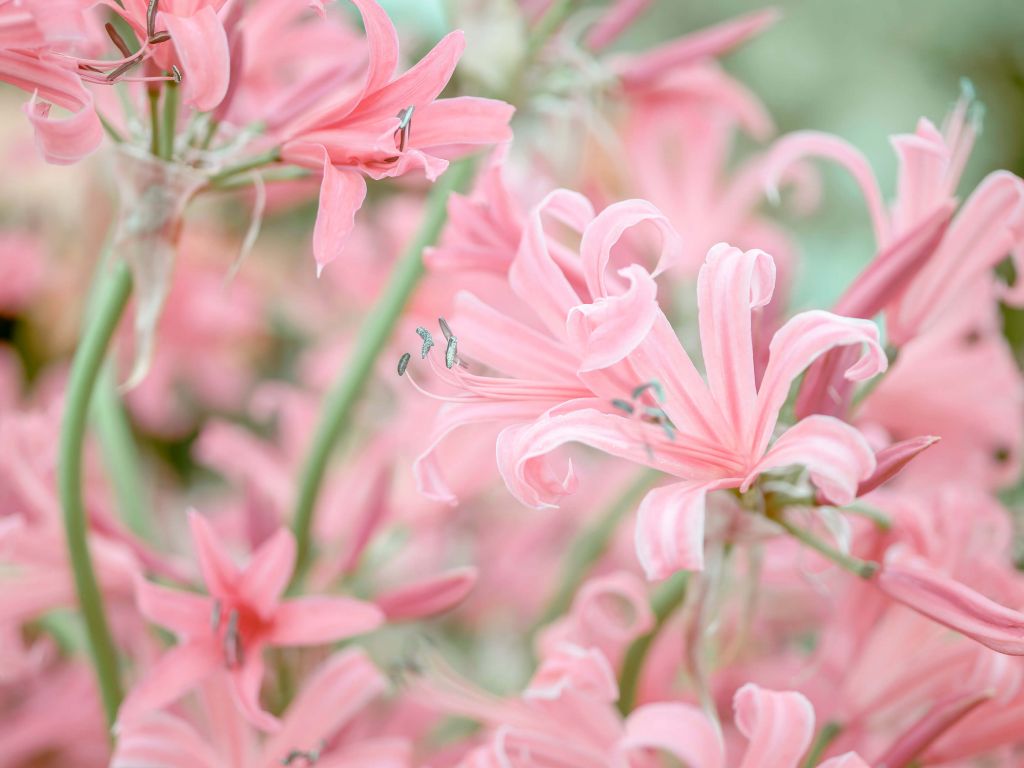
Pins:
x,y
779,724
185,613
462,120
159,740
246,681
342,192
680,730
219,573
670,529
173,675
262,582
321,620
428,597
202,47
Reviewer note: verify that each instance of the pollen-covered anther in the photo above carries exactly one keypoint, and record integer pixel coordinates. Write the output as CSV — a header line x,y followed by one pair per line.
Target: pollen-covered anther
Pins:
x,y
233,656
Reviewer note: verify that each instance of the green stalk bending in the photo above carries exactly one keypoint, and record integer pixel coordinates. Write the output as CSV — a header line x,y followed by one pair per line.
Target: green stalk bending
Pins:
x,y
667,598
85,369
373,336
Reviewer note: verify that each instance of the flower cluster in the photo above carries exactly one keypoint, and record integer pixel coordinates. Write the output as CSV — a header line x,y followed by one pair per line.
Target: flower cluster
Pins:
x,y
621,505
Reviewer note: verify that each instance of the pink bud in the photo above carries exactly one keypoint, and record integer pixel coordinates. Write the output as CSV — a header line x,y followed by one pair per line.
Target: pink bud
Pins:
x,y
889,462
429,597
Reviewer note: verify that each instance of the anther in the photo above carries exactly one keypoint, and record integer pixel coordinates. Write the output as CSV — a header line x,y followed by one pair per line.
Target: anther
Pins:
x,y
445,329
451,352
428,341
622,405
403,363
232,642
310,756
654,386
215,616
404,128
116,38
151,19
176,74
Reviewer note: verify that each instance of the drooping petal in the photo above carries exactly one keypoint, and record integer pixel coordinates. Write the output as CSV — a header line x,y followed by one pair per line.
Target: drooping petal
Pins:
x,y
219,573
185,613
321,620
670,529
608,330
246,681
779,725
731,284
342,192
331,697
801,341
202,47
680,730
836,454
174,674
267,574
913,582
428,597
797,146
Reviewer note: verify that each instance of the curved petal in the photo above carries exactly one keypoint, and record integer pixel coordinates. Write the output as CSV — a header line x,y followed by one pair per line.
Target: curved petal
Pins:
x,y
428,597
606,331
912,581
921,182
202,47
173,675
670,529
836,454
342,192
797,146
219,573
461,120
159,740
321,620
848,760
265,577
680,730
570,667
607,229
779,724
382,42
185,613
801,341
613,609
730,285
331,697
245,683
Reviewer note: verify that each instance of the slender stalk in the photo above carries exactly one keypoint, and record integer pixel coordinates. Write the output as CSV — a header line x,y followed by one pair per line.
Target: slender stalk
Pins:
x,y
256,161
588,548
828,733
169,127
153,96
85,368
115,435
667,598
373,336
862,568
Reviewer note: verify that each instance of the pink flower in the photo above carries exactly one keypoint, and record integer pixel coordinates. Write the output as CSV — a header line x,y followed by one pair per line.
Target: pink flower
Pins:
x,y
229,628
388,127
712,435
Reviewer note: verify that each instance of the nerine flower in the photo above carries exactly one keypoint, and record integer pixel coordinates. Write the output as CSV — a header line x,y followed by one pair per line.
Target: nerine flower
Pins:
x,y
712,435
229,628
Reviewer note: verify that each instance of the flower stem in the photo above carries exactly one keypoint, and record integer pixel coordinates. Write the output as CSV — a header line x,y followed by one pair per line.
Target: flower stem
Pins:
x,y
667,598
372,338
169,128
588,548
153,96
85,368
256,161
863,568
828,733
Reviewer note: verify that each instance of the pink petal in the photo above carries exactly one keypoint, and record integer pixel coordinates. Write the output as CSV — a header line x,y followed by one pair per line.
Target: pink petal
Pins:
x,y
174,674
571,668
889,462
159,740
428,597
219,572
921,183
779,724
382,40
185,613
670,529
462,120
330,698
613,610
801,341
608,330
837,456
913,582
322,620
608,227
680,730
202,47
264,579
945,714
614,22
797,146
342,192
731,284
246,682
849,760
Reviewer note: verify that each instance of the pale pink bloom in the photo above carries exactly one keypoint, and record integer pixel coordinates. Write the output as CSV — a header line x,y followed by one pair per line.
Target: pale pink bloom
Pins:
x,y
229,628
388,127
712,435
987,227
329,701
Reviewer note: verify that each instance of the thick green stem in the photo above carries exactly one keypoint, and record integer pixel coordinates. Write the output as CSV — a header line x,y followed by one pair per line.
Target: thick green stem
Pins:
x,y
588,548
114,431
862,568
828,733
373,336
667,598
85,368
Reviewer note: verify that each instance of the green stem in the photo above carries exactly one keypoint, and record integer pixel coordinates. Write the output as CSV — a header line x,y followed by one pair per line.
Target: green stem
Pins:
x,y
667,598
588,548
286,173
169,127
85,368
862,568
114,431
373,336
153,95
256,161
829,732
